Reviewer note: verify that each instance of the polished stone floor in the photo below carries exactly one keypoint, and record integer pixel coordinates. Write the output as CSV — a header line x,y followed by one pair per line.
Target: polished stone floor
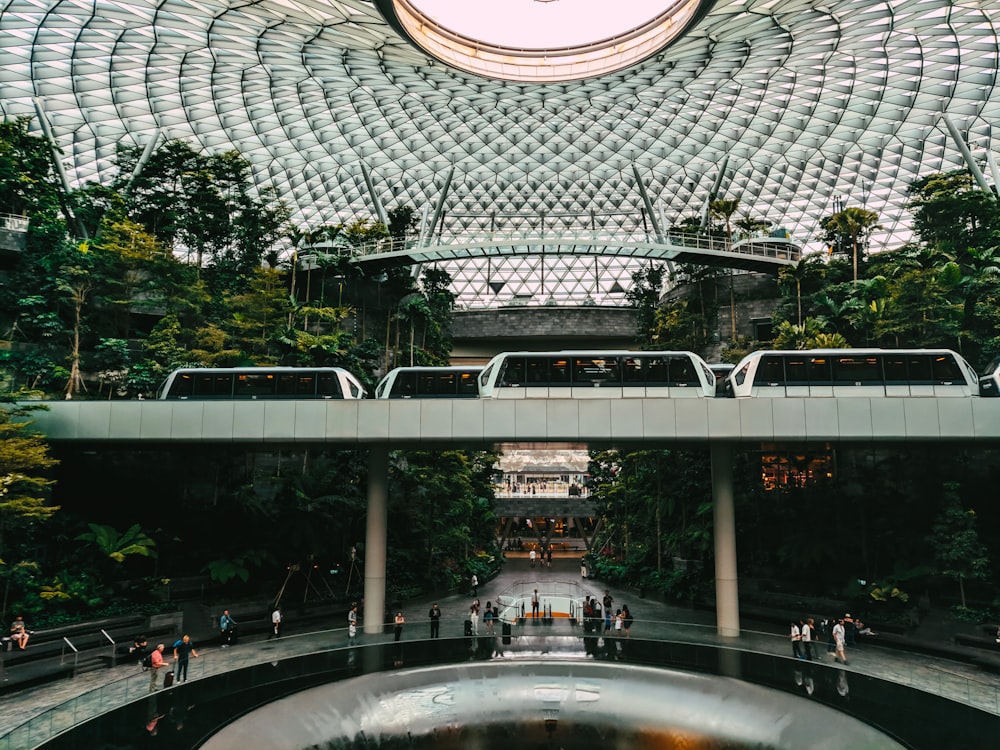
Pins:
x,y
32,715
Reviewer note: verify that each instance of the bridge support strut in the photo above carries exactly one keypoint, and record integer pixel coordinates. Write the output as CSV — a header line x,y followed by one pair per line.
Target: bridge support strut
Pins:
x,y
375,537
727,604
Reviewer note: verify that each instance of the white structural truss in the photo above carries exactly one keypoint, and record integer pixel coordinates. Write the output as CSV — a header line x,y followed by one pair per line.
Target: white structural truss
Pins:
x,y
803,103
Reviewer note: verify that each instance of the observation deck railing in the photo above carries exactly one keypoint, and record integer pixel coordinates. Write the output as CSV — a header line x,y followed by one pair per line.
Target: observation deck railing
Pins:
x,y
14,222
762,246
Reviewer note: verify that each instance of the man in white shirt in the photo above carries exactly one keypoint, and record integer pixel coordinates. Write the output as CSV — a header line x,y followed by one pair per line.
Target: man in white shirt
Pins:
x,y
796,635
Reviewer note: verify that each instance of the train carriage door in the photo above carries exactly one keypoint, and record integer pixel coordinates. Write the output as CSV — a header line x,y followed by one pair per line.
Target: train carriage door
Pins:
x,y
637,379
769,380
906,375
949,379
820,376
797,375
560,376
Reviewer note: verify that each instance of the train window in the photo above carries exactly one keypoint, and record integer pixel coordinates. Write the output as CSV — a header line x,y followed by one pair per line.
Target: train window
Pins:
x,y
305,384
657,371
797,370
857,370
327,385
634,371
356,390
770,370
209,384
537,371
559,371
596,371
946,370
741,374
683,372
895,368
405,385
512,372
285,384
918,369
484,377
819,371
250,385
182,385
467,383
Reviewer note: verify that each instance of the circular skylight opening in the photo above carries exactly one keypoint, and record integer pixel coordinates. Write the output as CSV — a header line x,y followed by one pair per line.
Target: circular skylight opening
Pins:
x,y
541,40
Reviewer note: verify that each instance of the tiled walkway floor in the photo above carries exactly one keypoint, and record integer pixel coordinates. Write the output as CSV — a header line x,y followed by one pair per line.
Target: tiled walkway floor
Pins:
x,y
99,691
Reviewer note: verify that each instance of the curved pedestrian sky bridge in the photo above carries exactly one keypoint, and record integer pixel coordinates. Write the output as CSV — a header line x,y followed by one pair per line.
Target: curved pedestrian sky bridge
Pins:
x,y
794,107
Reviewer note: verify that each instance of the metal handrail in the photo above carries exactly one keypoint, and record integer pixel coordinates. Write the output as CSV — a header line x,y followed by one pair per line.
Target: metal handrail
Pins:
x,y
76,654
114,647
764,245
14,222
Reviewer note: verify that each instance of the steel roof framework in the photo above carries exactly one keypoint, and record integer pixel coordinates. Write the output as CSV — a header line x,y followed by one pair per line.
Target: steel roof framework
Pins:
x,y
811,102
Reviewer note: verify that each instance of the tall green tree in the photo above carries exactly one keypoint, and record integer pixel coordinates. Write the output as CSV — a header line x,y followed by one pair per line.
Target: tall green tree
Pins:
x,y
958,550
855,225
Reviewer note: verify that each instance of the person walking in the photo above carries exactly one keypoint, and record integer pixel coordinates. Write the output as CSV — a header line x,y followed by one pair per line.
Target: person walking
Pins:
x,y
534,604
796,636
607,602
183,651
435,618
156,663
227,629
275,624
806,630
839,635
488,617
352,624
531,557
475,585
474,617
397,623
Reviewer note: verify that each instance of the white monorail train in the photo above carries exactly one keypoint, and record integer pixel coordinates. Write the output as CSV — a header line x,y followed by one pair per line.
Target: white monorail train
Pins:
x,y
596,374
261,383
853,372
430,382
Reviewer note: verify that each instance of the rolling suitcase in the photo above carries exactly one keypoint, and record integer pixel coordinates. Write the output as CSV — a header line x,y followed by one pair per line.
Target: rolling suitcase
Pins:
x,y
468,627
168,679
505,633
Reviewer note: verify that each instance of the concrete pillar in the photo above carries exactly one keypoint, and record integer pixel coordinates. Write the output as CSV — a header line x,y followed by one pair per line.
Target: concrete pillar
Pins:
x,y
727,604
375,537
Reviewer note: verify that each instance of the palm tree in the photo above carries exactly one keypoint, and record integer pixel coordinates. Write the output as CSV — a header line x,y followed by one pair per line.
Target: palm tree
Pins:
x,y
798,273
724,208
854,223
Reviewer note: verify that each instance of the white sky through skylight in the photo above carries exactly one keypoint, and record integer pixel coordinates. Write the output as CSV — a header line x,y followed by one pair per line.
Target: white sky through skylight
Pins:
x,y
536,24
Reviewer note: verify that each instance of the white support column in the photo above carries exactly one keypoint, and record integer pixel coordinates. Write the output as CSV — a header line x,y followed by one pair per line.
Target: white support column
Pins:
x,y
375,537
970,162
727,603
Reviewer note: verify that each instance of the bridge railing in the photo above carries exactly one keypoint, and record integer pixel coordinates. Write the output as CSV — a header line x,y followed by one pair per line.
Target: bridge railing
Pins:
x,y
772,247
14,222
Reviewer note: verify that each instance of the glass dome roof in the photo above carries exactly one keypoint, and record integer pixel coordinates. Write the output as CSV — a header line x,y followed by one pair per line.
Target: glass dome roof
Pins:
x,y
799,105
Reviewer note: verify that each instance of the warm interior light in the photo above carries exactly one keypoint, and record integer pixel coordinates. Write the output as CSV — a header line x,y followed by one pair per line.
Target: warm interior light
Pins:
x,y
527,40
